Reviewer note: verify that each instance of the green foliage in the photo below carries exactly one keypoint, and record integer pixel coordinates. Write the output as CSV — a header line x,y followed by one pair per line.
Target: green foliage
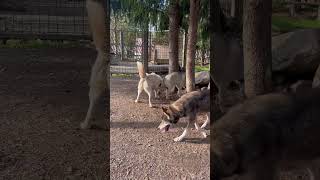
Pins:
x,y
286,24
142,12
202,68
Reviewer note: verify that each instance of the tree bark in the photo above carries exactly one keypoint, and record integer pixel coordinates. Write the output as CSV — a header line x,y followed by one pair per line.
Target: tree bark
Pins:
x,y
233,8
192,40
257,47
318,17
185,42
174,17
145,49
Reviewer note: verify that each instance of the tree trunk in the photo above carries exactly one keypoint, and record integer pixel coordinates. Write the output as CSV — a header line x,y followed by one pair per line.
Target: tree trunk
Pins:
x,y
174,17
233,8
239,12
192,40
145,49
318,13
185,42
257,47
292,10
116,38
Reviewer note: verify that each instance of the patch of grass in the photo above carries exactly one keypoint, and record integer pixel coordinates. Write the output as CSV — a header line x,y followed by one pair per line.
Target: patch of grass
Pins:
x,y
38,44
122,75
287,24
202,68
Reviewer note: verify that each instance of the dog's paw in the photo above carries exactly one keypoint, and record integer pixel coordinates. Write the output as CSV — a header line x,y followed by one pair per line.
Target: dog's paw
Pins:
x,y
84,125
178,139
150,105
136,101
204,134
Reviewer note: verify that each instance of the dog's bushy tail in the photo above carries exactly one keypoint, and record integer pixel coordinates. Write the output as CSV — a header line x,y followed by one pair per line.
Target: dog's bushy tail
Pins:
x,y
96,16
141,70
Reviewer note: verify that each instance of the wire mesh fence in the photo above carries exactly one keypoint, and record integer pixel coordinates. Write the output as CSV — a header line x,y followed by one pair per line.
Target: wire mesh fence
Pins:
x,y
45,19
67,20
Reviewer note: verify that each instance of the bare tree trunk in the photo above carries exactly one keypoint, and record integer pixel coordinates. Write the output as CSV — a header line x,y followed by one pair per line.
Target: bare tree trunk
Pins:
x,y
116,38
174,36
185,42
192,40
318,17
233,8
145,49
292,10
257,47
239,12
202,51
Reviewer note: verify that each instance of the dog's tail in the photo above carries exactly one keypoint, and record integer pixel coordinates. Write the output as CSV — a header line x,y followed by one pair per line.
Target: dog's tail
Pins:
x,y
141,70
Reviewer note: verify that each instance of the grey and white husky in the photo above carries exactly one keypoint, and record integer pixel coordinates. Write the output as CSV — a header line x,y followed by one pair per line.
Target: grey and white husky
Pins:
x,y
189,105
150,83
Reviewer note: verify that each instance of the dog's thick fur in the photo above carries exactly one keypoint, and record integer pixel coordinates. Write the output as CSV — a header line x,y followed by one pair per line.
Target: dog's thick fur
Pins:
x,y
174,80
150,83
260,135
189,105
98,80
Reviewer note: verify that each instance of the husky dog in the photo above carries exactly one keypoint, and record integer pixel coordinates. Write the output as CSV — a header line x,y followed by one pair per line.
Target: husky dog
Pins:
x,y
260,135
174,80
98,80
187,106
150,83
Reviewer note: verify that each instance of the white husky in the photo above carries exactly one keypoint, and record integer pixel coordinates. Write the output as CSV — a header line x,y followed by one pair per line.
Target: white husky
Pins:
x,y
150,83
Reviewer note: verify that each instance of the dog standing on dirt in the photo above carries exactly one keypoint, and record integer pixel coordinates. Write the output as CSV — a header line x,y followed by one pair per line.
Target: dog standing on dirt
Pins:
x,y
150,83
99,78
174,80
189,105
260,135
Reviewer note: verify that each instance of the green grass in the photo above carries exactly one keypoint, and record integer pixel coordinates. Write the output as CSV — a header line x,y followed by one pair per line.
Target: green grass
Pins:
x,y
287,24
202,68
38,44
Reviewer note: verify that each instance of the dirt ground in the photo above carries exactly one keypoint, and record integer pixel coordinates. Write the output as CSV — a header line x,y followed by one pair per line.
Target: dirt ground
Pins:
x,y
140,151
43,98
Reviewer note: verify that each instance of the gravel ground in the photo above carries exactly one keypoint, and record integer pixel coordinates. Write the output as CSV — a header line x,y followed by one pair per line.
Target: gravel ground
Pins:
x,y
140,151
43,98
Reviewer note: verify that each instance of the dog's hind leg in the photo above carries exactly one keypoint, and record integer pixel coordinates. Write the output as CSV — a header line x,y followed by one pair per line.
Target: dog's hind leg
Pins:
x,y
140,89
204,134
206,122
150,94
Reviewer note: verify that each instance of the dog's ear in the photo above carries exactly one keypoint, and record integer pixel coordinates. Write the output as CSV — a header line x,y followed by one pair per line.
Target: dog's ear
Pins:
x,y
165,111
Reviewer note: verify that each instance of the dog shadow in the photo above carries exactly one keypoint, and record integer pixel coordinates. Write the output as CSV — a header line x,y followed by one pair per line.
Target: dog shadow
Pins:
x,y
197,140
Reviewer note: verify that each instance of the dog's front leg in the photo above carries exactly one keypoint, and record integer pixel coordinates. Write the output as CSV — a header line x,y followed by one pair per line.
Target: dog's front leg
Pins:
x,y
183,135
94,94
